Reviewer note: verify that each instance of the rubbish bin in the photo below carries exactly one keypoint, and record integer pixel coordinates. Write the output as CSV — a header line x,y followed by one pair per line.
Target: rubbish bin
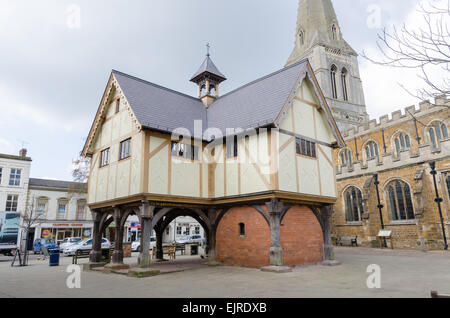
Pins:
x,y
54,256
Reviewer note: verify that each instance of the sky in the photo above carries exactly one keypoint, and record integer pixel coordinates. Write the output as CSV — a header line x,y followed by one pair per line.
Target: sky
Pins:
x,y
56,57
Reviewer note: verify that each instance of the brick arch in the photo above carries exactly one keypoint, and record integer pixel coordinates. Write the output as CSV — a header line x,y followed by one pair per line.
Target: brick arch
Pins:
x,y
251,250
301,237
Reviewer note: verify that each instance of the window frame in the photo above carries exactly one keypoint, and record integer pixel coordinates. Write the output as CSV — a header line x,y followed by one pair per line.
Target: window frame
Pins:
x,y
353,202
232,152
346,157
191,150
437,131
14,177
117,105
344,78
104,163
333,72
306,148
41,201
64,202
399,211
373,148
12,203
81,203
122,155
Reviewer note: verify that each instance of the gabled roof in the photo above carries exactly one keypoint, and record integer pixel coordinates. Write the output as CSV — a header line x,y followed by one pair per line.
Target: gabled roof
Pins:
x,y
208,66
258,104
160,108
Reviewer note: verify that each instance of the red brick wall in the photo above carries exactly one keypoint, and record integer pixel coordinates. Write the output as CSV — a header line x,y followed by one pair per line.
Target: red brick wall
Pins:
x,y
301,237
249,251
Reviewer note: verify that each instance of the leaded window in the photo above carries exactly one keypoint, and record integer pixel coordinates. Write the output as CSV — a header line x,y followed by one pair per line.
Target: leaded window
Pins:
x,y
353,204
305,148
402,142
344,84
371,150
346,157
333,81
437,131
400,201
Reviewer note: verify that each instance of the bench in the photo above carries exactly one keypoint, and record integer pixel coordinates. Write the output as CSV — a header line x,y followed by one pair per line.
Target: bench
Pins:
x,y
106,255
170,250
349,240
434,294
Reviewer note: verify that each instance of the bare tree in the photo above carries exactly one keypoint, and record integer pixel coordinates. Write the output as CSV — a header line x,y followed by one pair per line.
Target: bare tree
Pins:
x,y
424,48
81,167
30,218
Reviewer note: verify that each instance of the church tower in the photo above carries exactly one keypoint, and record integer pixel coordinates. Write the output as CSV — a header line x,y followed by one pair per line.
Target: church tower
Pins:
x,y
335,63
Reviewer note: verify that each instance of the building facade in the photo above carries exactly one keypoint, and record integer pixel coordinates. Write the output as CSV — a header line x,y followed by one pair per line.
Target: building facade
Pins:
x,y
61,209
319,38
398,149
14,176
253,167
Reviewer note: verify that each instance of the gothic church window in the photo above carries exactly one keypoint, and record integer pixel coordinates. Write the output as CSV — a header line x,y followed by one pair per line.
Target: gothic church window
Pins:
x,y
333,81
301,37
400,201
334,31
437,131
371,150
402,142
344,84
353,204
346,158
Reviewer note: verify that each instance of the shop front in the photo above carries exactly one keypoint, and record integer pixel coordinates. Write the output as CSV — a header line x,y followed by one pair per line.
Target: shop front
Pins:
x,y
60,231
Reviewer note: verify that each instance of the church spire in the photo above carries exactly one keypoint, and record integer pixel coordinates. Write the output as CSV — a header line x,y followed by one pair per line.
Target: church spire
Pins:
x,y
317,24
334,62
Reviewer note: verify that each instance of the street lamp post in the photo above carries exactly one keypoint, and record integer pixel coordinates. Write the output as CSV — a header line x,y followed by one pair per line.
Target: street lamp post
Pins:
x,y
380,206
438,200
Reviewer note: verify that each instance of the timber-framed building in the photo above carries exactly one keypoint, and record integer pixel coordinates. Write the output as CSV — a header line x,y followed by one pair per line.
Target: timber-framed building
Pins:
x,y
254,167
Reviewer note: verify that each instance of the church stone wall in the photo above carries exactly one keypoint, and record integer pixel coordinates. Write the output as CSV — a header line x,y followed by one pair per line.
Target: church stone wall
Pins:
x,y
410,166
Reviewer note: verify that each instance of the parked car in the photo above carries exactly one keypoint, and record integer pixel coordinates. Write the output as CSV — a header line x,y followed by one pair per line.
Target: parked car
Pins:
x,y
136,246
69,242
40,244
190,239
85,244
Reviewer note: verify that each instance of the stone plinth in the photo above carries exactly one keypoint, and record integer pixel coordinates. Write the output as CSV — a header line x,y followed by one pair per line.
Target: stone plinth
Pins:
x,y
143,272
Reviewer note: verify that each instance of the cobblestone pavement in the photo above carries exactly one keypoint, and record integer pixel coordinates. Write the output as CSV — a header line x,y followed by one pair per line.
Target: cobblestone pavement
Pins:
x,y
403,274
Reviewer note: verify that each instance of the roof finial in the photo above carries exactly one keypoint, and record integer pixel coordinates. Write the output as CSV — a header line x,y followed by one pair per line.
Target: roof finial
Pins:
x,y
207,49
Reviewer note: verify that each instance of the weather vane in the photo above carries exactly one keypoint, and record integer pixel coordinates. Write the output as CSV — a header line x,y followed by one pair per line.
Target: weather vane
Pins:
x,y
207,48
